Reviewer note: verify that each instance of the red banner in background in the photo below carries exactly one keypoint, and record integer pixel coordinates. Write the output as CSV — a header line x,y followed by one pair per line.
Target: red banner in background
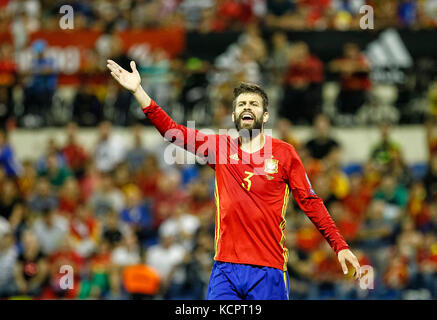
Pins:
x,y
71,49
65,38
170,40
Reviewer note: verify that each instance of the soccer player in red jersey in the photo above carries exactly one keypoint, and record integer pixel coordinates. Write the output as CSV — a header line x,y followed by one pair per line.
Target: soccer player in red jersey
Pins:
x,y
254,176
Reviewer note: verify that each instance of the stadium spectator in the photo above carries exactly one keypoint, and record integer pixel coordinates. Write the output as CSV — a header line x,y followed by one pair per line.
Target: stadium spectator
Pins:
x,y
64,256
8,259
126,254
109,151
407,13
107,197
87,108
396,276
385,150
168,197
285,133
7,156
235,14
136,155
279,58
157,75
50,230
31,268
123,177
431,134
96,282
38,93
56,174
43,197
375,235
194,270
325,273
199,197
148,176
11,203
400,169
52,148
391,191
165,256
278,11
85,232
322,144
5,227
183,225
386,13
207,20
353,72
113,229
252,38
418,208
427,12
27,180
430,178
315,12
427,262
8,80
358,198
137,214
302,85
246,67
191,282
338,180
193,93
91,179
75,155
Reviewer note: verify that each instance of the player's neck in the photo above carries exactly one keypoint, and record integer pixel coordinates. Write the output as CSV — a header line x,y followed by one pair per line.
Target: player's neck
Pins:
x,y
252,144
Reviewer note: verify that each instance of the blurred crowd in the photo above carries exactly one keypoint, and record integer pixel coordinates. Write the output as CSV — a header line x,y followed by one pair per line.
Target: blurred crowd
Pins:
x,y
195,89
219,15
299,83
126,223
133,227
385,209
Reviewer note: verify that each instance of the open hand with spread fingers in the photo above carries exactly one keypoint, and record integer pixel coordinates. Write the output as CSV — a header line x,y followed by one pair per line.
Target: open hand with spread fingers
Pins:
x,y
129,80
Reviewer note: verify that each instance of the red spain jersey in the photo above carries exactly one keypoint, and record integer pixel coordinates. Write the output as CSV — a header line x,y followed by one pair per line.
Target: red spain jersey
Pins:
x,y
251,193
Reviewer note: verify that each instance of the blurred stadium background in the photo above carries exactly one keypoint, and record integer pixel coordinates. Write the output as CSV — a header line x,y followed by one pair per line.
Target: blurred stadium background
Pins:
x,y
82,176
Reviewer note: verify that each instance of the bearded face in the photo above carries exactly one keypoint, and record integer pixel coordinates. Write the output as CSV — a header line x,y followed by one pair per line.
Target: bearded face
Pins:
x,y
249,112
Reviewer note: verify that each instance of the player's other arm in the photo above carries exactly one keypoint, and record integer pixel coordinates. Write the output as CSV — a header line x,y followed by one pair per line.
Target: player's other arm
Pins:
x,y
182,136
316,211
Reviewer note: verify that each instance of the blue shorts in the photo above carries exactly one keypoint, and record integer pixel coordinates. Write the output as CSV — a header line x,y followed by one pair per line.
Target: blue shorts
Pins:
x,y
233,281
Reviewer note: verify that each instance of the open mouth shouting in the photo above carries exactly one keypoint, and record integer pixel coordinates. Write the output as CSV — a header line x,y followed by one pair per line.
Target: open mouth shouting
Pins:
x,y
247,118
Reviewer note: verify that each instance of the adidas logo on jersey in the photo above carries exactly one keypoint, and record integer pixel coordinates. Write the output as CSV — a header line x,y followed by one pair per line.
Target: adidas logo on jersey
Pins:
x,y
234,157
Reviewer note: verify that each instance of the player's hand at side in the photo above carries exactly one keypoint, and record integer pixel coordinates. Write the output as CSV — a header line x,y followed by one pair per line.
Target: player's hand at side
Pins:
x,y
346,255
129,80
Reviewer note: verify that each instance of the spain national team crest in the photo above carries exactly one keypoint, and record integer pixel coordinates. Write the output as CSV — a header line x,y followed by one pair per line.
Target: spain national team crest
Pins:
x,y
271,165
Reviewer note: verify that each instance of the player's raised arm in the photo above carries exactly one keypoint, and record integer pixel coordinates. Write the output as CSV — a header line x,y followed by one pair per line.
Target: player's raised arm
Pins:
x,y
130,81
187,138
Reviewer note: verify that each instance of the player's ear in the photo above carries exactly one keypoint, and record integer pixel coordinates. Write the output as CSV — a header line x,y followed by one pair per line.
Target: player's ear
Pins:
x,y
265,117
233,116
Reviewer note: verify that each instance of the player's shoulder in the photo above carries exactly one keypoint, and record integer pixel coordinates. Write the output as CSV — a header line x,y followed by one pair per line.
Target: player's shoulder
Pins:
x,y
284,151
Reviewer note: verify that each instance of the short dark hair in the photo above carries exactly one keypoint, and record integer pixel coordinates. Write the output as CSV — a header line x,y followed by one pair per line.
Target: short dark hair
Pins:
x,y
245,87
